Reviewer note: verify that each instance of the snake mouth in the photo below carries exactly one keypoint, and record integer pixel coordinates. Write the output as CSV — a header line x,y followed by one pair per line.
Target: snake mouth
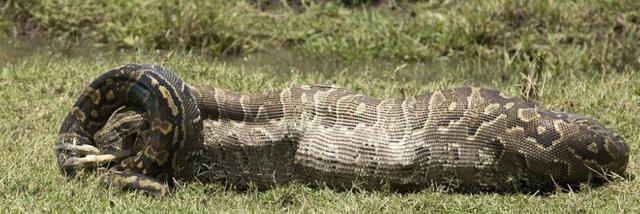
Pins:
x,y
175,128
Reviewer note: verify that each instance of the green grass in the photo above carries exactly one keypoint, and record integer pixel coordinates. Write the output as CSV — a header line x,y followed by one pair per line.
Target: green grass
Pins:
x,y
591,66
606,31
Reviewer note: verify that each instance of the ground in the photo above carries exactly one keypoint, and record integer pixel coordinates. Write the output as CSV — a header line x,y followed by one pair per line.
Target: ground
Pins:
x,y
584,55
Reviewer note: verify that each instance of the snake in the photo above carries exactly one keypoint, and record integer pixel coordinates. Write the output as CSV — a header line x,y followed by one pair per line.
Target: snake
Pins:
x,y
147,129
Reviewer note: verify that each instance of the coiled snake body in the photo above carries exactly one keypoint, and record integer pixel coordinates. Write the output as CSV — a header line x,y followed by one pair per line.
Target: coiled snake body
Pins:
x,y
467,138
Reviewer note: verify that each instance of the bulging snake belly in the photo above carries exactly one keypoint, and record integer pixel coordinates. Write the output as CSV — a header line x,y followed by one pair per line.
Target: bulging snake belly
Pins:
x,y
466,138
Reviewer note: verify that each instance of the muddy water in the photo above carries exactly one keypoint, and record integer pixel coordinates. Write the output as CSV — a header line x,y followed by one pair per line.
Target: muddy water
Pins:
x,y
422,72
465,72
13,51
17,50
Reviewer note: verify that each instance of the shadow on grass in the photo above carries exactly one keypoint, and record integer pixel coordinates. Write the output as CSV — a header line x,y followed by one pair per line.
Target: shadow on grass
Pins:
x,y
388,188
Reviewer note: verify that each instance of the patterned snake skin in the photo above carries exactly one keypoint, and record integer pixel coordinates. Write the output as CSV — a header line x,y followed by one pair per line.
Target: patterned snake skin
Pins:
x,y
470,139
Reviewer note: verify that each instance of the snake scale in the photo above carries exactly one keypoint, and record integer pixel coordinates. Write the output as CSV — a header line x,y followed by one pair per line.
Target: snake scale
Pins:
x,y
470,139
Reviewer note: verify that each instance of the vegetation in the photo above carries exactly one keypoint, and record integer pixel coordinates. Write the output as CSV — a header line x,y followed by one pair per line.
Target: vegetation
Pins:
x,y
606,32
584,55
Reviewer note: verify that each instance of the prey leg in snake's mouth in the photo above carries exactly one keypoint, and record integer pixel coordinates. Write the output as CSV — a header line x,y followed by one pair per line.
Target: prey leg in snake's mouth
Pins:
x,y
87,160
114,142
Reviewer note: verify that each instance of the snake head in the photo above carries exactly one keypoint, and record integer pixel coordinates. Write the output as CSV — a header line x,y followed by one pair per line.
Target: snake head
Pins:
x,y
605,151
122,127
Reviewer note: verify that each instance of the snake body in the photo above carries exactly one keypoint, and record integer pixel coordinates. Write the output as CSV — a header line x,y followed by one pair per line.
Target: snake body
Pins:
x,y
466,138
